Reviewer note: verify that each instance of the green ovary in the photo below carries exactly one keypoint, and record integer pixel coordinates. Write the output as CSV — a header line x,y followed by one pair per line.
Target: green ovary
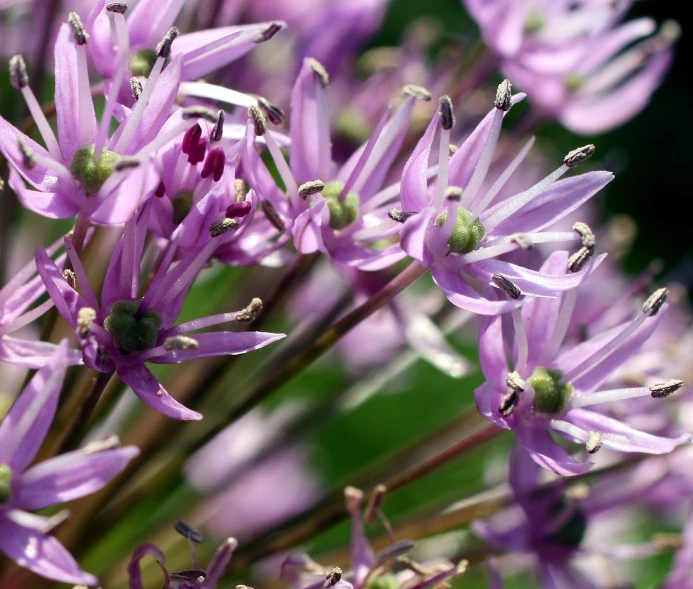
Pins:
x,y
131,333
550,395
91,173
535,22
466,236
142,62
573,82
343,212
182,204
383,582
5,483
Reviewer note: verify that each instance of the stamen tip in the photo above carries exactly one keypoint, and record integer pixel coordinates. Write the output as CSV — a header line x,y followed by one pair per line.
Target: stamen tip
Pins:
x,y
18,74
594,442
259,121
579,155
506,285
447,115
163,49
268,33
218,228
504,96
664,389
117,7
417,92
79,31
251,312
319,71
310,188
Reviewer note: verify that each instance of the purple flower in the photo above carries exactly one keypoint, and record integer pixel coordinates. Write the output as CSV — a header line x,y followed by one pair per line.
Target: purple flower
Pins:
x,y
551,387
83,169
24,537
454,229
200,53
123,330
680,575
16,300
583,66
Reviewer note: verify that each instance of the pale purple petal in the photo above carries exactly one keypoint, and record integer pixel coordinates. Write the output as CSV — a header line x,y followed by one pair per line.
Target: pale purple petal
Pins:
x,y
307,229
460,294
413,235
220,343
54,205
134,565
33,354
220,560
149,21
66,299
414,194
546,452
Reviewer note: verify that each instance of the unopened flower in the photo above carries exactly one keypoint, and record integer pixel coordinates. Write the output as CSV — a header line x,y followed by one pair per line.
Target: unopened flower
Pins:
x,y
27,538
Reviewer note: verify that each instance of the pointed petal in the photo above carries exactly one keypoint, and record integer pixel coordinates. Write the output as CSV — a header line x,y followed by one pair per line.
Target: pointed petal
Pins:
x,y
54,205
220,343
307,229
33,354
134,571
145,385
66,299
39,553
547,453
464,160
26,425
460,294
492,357
149,21
220,560
413,235
414,190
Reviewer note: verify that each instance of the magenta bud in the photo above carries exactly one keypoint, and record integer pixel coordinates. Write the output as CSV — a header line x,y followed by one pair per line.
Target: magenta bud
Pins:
x,y
191,139
238,209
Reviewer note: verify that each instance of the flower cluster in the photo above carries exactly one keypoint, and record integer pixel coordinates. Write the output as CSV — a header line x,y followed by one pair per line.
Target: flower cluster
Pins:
x,y
204,164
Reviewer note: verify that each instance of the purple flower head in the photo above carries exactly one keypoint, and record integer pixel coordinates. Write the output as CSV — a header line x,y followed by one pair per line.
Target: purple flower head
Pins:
x,y
27,538
550,529
16,300
124,330
535,385
194,578
83,169
454,229
584,67
337,211
200,53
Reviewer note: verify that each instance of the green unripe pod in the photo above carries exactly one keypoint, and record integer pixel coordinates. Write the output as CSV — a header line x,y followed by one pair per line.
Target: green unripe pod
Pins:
x,y
131,333
550,395
89,173
466,236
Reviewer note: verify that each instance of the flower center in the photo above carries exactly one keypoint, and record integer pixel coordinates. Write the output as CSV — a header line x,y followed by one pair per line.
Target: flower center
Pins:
x,y
550,395
383,582
573,82
142,62
182,204
91,173
343,212
5,483
535,22
466,236
131,333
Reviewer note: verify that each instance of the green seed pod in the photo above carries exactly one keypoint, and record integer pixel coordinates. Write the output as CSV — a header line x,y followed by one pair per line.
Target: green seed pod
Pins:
x,y
343,212
182,205
550,395
466,236
130,333
90,173
142,62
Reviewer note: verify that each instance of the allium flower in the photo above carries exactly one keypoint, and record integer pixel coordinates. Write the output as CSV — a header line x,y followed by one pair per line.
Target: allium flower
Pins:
x,y
325,208
680,575
16,299
189,579
123,331
453,228
551,387
582,65
83,170
551,528
24,537
136,50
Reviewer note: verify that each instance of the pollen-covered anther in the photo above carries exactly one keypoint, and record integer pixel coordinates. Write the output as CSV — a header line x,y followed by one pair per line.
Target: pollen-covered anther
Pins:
x,y
220,227
181,342
127,163
136,87
398,215
272,112
375,503
515,382
579,155
418,92
447,115
452,149
258,119
28,158
333,577
19,78
187,531
163,49
508,403
218,130
454,193
310,188
353,498
586,233
655,301
664,389
251,312
320,72
239,189
504,96
117,7
594,442
70,278
200,112
272,215
522,239
79,31
507,286
268,33
85,319
577,261
109,443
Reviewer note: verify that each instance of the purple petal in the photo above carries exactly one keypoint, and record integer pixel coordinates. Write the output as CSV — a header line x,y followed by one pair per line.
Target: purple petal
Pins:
x,y
413,235
146,386
69,108
460,294
66,299
619,436
546,452
220,343
101,47
134,565
307,229
54,205
311,147
464,160
39,553
33,354
220,560
70,476
495,581
414,191
27,423
149,21
492,357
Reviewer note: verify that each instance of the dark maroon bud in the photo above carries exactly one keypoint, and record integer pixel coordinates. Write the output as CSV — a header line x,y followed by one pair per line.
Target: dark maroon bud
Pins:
x,y
160,190
191,139
214,164
237,210
198,154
